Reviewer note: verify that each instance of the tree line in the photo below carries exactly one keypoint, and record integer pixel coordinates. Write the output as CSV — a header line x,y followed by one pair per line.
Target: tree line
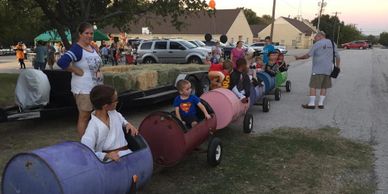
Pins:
x,y
23,20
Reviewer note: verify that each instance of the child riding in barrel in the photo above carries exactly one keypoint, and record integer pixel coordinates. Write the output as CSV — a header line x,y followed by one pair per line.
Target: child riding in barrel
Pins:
x,y
104,133
185,105
240,83
271,67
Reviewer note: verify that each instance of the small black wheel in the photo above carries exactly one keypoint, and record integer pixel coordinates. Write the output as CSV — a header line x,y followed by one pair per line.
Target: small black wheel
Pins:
x,y
149,60
278,94
266,105
214,152
195,60
288,86
196,88
248,123
3,115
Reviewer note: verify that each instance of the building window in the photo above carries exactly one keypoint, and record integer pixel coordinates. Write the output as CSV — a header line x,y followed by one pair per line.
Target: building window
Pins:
x,y
294,43
282,42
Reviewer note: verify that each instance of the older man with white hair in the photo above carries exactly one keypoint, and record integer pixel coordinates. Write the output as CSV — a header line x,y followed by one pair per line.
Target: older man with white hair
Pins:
x,y
322,53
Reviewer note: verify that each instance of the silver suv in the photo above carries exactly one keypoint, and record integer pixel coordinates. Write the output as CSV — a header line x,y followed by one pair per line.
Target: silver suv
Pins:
x,y
170,51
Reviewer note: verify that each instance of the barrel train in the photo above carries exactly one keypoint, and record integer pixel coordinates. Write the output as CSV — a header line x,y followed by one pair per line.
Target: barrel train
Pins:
x,y
71,167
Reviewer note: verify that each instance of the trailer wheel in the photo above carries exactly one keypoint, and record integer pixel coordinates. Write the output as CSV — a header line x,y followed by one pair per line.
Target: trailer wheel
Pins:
x,y
266,105
288,86
248,123
205,82
278,94
214,152
195,86
3,115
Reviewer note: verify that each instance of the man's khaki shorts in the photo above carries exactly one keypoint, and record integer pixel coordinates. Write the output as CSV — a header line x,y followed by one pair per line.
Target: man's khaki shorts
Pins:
x,y
83,102
320,81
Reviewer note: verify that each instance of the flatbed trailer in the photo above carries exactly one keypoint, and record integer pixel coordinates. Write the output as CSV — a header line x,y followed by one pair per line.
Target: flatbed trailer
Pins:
x,y
62,101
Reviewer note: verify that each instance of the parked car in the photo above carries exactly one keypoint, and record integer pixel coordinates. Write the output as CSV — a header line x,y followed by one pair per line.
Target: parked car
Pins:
x,y
171,51
199,43
281,48
357,44
258,46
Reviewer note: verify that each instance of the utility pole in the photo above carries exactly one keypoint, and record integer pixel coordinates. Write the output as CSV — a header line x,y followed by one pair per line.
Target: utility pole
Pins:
x,y
335,22
339,28
273,17
321,4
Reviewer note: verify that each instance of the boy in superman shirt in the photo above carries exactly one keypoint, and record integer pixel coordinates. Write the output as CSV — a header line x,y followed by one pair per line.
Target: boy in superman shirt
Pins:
x,y
185,105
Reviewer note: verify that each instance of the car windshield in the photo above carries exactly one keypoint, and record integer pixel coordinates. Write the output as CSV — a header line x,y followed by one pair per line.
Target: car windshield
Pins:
x,y
188,44
194,43
200,43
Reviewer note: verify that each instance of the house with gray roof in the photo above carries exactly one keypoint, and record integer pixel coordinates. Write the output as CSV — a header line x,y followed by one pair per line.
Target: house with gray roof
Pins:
x,y
231,22
292,33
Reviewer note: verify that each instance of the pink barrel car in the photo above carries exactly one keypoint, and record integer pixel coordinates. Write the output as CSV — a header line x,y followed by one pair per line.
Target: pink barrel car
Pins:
x,y
170,141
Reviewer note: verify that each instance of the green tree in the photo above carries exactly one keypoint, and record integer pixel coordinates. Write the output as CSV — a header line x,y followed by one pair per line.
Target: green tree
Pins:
x,y
384,38
253,19
266,19
349,33
68,14
19,23
331,25
371,38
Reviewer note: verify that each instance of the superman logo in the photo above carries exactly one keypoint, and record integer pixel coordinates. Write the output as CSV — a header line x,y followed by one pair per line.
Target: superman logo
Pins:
x,y
185,107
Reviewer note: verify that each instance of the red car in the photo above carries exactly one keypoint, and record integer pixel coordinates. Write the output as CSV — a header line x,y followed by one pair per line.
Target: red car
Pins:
x,y
356,45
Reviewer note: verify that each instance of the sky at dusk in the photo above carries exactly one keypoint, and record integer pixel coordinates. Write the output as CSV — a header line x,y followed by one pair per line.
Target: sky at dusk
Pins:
x,y
371,16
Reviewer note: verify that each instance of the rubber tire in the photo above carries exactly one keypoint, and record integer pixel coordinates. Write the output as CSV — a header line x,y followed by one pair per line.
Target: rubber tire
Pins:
x,y
3,115
345,47
195,85
214,144
248,123
149,60
194,60
205,84
266,104
288,86
361,48
278,94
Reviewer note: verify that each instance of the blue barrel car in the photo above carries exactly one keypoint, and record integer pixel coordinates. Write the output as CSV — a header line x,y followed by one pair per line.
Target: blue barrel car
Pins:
x,y
72,168
270,84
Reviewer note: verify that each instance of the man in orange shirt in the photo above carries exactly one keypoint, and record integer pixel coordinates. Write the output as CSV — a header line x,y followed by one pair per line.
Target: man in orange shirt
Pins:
x,y
20,55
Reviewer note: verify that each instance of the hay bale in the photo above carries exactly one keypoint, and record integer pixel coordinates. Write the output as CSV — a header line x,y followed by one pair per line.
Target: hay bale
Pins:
x,y
116,69
144,79
146,76
167,76
120,81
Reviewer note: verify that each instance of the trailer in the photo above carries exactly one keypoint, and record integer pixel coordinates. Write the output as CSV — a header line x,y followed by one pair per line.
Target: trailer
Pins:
x,y
61,100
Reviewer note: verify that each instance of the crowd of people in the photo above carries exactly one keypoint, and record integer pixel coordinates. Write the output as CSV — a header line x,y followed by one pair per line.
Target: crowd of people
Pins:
x,y
240,71
46,53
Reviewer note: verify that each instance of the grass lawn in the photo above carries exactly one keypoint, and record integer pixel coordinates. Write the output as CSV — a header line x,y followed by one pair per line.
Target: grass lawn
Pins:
x,y
284,161
7,84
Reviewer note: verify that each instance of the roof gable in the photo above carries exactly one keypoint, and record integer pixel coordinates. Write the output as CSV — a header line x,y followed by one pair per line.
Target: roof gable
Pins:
x,y
195,23
257,28
301,26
